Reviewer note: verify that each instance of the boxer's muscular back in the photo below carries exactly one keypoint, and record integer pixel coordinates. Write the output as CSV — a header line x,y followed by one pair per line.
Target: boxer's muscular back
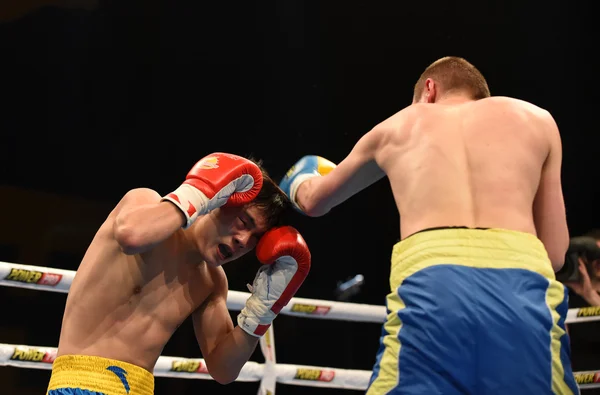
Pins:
x,y
126,307
475,164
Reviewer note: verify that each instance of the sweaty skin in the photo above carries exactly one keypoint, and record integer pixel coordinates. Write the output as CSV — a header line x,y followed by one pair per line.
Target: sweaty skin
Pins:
x,y
492,163
142,276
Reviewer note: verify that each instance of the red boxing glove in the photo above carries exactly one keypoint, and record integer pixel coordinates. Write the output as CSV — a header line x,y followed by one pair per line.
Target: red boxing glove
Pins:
x,y
215,180
286,262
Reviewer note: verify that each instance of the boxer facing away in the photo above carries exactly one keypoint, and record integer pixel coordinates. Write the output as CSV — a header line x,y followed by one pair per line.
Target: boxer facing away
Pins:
x,y
474,306
157,260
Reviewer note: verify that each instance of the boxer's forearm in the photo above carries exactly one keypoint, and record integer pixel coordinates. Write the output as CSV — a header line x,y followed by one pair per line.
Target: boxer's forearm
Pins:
x,y
318,195
140,228
312,200
231,354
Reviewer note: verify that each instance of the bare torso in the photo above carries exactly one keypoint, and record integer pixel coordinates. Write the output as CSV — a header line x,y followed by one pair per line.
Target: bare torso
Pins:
x,y
475,164
126,307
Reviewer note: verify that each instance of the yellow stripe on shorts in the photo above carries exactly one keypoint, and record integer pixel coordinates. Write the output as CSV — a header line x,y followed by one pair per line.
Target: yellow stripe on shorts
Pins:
x,y
554,297
387,379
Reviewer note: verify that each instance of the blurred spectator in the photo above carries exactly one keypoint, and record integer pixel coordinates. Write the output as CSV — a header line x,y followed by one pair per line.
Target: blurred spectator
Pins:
x,y
581,272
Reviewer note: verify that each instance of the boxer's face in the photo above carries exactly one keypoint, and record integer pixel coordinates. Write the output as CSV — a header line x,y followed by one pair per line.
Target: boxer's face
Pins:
x,y
231,232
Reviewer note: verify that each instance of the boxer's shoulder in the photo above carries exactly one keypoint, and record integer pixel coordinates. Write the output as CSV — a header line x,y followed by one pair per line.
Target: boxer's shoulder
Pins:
x,y
511,103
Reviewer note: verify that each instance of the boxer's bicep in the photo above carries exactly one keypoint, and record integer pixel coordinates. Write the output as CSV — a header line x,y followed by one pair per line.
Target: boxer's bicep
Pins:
x,y
353,174
549,207
212,321
140,220
133,199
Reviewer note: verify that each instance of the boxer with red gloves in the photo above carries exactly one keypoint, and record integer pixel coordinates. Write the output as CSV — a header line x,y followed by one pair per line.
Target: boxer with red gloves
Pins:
x,y
156,260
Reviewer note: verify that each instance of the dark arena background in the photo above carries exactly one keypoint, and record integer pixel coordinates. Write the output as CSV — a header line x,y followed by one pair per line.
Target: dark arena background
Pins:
x,y
100,97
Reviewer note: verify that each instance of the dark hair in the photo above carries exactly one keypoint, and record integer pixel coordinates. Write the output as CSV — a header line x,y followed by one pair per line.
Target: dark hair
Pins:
x,y
271,200
454,74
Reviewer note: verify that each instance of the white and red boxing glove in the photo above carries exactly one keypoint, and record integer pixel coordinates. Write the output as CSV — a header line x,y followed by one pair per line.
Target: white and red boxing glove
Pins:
x,y
215,180
286,263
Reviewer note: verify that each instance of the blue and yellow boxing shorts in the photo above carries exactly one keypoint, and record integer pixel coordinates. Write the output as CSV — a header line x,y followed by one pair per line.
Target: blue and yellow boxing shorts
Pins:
x,y
87,375
473,311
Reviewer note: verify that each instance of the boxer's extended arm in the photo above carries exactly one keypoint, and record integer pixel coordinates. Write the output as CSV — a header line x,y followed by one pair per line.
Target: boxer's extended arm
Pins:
x,y
549,206
142,220
225,349
317,195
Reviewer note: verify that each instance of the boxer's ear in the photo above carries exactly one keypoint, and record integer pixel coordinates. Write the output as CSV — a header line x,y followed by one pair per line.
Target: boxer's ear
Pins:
x,y
430,91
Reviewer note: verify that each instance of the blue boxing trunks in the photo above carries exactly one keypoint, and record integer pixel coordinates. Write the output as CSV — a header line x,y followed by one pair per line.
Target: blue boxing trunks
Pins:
x,y
473,311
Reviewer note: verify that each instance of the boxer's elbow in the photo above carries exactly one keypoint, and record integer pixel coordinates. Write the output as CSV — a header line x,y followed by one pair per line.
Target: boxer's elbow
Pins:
x,y
558,253
225,379
556,247
127,236
221,374
223,368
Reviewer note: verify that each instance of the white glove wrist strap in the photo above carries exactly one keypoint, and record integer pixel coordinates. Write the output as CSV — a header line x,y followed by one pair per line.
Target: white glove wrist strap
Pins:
x,y
254,315
296,184
191,201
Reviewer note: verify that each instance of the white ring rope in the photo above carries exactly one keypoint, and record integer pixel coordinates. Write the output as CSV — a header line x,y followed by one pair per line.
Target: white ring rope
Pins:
x,y
185,368
59,280
312,376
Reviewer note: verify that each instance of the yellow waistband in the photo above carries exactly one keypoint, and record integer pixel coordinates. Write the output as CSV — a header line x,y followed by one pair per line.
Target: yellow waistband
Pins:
x,y
483,248
107,376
